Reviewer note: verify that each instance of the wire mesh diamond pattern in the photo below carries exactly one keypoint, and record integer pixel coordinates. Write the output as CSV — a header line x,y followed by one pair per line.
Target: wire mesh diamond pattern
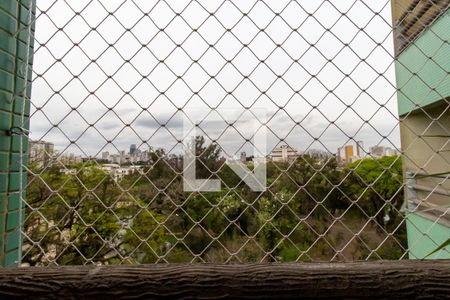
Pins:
x,y
316,76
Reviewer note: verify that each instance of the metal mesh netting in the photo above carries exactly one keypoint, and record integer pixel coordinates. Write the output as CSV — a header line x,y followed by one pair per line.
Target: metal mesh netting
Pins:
x,y
121,88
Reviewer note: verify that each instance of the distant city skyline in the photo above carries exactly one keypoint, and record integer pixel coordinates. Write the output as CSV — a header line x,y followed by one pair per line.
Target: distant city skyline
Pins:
x,y
43,151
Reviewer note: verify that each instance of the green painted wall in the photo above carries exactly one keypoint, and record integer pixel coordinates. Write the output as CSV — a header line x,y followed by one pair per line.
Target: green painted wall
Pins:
x,y
13,48
423,68
424,236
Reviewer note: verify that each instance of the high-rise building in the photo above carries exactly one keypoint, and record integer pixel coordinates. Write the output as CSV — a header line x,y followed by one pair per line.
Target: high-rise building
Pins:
x,y
40,152
348,150
338,155
133,149
105,155
390,152
360,149
377,151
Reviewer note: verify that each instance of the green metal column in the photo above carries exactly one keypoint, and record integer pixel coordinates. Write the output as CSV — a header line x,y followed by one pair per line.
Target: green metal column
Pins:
x,y
14,41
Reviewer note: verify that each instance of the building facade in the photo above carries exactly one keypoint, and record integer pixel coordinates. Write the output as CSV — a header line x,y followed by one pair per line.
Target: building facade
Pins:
x,y
422,51
284,153
40,152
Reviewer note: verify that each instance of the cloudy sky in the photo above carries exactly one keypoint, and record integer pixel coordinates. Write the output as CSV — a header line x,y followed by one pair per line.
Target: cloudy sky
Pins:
x,y
318,74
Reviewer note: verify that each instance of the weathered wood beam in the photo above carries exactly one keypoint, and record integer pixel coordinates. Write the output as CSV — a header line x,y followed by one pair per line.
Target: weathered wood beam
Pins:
x,y
387,280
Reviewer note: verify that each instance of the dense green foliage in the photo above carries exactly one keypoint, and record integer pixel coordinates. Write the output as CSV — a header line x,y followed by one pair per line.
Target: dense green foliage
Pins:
x,y
312,210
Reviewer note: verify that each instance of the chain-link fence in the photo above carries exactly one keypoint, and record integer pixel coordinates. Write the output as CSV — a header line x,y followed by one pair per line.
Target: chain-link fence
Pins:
x,y
311,94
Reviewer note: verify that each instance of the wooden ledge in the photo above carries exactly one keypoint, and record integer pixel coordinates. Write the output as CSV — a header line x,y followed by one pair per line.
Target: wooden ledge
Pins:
x,y
406,279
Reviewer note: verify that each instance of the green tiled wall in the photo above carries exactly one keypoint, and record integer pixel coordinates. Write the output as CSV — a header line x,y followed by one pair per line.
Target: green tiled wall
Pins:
x,y
423,69
13,48
424,236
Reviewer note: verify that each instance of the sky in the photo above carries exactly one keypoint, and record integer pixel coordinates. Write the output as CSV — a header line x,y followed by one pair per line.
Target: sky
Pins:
x,y
316,74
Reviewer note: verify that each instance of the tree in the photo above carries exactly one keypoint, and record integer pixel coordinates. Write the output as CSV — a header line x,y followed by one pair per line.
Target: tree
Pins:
x,y
84,215
209,159
376,185
79,217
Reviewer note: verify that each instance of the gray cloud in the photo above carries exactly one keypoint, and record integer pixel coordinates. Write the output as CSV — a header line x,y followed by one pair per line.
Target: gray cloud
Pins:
x,y
299,93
